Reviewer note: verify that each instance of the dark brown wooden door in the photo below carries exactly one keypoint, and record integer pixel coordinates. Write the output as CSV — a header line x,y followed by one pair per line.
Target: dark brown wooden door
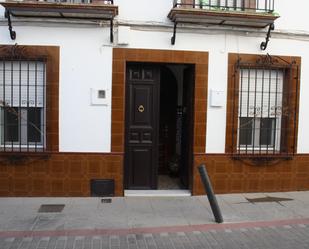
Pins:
x,y
142,119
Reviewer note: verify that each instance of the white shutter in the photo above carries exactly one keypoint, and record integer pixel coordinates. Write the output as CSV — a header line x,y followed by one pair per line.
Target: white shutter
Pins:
x,y
261,90
22,83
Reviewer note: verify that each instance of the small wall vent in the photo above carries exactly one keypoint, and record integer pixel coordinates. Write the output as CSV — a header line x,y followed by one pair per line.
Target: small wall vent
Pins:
x,y
102,187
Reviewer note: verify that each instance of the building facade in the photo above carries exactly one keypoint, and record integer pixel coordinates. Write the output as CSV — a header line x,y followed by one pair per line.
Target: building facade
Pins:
x,y
107,96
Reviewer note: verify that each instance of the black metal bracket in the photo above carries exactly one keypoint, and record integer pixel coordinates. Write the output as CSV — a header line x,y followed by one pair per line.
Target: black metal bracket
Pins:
x,y
112,31
173,39
12,32
264,44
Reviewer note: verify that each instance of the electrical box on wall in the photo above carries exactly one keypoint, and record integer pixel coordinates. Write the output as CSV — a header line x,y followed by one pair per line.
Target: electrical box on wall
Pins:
x,y
216,98
99,96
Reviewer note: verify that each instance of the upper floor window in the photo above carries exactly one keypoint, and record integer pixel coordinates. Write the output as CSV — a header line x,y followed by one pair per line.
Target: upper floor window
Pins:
x,y
22,105
262,105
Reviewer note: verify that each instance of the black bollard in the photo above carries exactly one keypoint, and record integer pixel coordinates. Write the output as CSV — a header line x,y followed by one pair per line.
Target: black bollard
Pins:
x,y
210,194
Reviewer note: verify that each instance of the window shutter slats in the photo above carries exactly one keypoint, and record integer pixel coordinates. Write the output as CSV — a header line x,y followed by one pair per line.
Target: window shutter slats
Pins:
x,y
261,93
22,87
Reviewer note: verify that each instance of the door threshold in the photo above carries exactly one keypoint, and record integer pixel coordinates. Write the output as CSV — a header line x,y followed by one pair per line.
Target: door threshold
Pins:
x,y
158,193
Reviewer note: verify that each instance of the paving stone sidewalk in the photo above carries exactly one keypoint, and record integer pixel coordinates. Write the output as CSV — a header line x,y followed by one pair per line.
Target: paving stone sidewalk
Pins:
x,y
135,222
22,214
284,237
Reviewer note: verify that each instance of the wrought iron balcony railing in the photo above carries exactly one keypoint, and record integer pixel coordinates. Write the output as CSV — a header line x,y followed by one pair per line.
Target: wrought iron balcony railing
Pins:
x,y
253,14
261,6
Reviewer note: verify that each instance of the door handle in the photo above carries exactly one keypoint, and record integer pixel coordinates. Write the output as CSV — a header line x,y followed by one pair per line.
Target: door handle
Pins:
x,y
141,108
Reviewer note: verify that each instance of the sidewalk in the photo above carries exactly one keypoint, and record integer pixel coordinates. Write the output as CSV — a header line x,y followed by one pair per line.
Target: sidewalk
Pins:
x,y
21,214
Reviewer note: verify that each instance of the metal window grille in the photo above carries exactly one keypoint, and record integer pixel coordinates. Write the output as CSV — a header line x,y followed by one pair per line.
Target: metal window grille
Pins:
x,y
264,108
22,105
229,5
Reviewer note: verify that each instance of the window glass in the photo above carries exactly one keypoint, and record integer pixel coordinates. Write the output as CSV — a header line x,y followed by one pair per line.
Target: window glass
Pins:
x,y
245,133
267,131
34,125
11,131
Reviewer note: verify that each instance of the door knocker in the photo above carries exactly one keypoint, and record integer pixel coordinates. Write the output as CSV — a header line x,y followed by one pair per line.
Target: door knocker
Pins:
x,y
141,108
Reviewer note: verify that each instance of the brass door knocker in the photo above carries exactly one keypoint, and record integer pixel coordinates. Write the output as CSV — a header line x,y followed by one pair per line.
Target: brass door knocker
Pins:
x,y
141,108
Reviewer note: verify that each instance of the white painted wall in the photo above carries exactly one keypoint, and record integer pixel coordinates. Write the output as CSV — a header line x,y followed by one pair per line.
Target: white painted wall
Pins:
x,y
293,13
143,10
86,62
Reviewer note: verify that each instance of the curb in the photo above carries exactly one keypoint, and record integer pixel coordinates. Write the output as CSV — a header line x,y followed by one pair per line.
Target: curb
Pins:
x,y
154,230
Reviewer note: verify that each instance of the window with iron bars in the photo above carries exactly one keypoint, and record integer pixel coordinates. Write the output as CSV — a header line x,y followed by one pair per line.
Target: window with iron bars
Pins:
x,y
22,105
264,109
260,109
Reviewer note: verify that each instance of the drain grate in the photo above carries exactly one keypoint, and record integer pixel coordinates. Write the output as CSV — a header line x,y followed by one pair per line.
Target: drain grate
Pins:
x,y
51,208
268,199
106,200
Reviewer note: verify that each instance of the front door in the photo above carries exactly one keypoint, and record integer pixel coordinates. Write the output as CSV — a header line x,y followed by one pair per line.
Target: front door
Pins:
x,y
142,122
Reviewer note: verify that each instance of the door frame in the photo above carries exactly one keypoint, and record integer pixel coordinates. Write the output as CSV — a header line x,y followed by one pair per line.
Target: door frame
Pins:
x,y
121,56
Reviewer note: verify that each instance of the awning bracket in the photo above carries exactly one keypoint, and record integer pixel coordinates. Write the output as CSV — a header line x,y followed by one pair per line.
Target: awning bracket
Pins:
x,y
111,30
173,39
12,32
8,15
264,44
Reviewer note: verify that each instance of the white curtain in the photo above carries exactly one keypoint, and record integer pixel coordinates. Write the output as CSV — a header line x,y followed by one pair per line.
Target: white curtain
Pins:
x,y
260,93
22,83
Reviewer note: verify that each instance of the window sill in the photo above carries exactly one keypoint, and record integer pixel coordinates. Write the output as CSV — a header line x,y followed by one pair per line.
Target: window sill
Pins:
x,y
22,157
262,159
19,150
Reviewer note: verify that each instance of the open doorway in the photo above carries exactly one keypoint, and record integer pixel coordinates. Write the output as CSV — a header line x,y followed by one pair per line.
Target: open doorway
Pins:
x,y
174,135
159,126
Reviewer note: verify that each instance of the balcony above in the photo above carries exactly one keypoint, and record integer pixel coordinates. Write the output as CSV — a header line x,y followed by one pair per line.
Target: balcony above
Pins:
x,y
96,10
257,14
237,13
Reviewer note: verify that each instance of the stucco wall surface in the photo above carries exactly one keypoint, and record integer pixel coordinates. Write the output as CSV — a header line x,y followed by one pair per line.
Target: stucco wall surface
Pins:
x,y
86,62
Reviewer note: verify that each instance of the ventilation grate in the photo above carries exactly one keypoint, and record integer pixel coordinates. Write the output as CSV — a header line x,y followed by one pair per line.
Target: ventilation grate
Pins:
x,y
51,208
106,200
102,187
